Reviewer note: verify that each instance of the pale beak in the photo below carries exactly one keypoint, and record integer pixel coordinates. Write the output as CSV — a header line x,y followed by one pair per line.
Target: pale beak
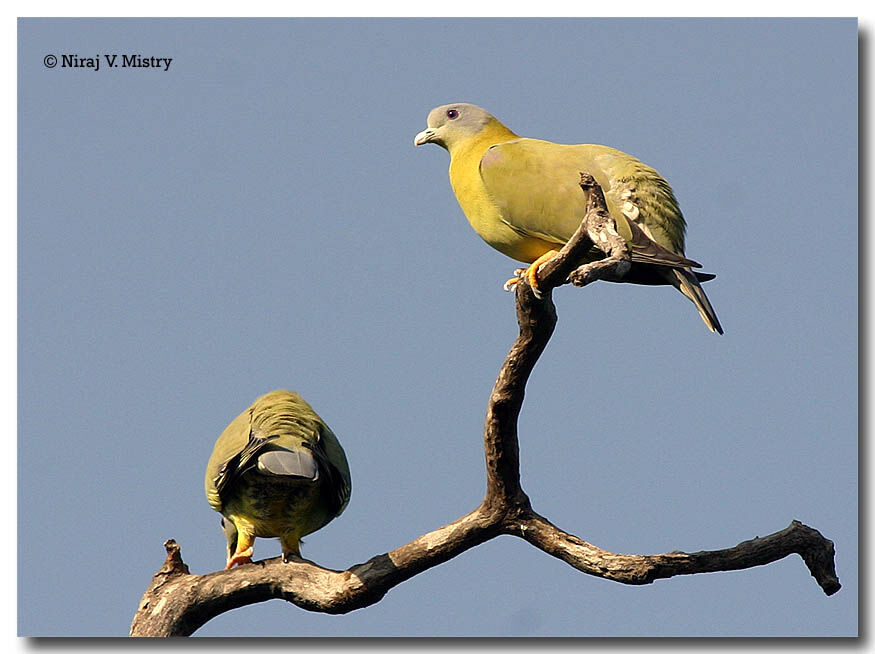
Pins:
x,y
425,136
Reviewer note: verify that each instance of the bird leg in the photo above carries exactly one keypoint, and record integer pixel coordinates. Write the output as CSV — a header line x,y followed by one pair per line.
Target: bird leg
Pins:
x,y
244,551
531,273
291,547
240,558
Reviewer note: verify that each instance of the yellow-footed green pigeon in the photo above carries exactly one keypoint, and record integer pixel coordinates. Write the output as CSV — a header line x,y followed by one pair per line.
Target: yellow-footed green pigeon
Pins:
x,y
523,197
276,471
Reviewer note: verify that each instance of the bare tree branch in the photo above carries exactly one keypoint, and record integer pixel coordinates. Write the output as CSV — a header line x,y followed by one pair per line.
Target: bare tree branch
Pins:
x,y
637,569
177,602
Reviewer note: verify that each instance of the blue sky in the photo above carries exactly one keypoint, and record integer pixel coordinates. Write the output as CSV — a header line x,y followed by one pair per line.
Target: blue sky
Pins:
x,y
256,217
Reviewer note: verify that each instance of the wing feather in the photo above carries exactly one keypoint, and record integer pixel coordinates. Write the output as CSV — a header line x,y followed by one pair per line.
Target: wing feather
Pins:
x,y
535,185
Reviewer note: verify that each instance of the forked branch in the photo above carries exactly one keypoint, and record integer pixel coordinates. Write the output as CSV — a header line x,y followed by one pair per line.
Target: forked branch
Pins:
x,y
178,602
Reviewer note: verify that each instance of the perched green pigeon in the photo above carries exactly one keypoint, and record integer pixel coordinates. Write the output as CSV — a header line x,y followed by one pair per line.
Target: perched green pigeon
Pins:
x,y
523,197
276,471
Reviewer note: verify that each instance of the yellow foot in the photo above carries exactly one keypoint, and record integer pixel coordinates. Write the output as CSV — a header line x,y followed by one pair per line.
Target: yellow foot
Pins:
x,y
530,273
240,558
511,283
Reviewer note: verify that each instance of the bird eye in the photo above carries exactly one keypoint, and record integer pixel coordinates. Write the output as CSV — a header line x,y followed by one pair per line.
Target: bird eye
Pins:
x,y
452,113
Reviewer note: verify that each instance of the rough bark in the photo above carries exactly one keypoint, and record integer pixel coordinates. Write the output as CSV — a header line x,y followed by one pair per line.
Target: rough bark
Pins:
x,y
177,602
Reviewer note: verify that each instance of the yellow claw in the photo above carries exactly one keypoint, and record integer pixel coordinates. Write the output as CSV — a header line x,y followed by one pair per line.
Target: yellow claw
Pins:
x,y
244,551
240,558
530,273
511,283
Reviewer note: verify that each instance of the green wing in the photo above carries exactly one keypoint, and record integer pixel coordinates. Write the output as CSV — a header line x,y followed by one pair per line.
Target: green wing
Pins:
x,y
337,468
230,444
536,187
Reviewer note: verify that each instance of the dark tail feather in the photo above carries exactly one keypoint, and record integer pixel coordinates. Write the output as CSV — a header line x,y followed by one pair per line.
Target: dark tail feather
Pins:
x,y
687,283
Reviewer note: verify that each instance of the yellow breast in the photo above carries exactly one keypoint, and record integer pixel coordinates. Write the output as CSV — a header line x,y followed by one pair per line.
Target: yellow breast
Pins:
x,y
482,211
